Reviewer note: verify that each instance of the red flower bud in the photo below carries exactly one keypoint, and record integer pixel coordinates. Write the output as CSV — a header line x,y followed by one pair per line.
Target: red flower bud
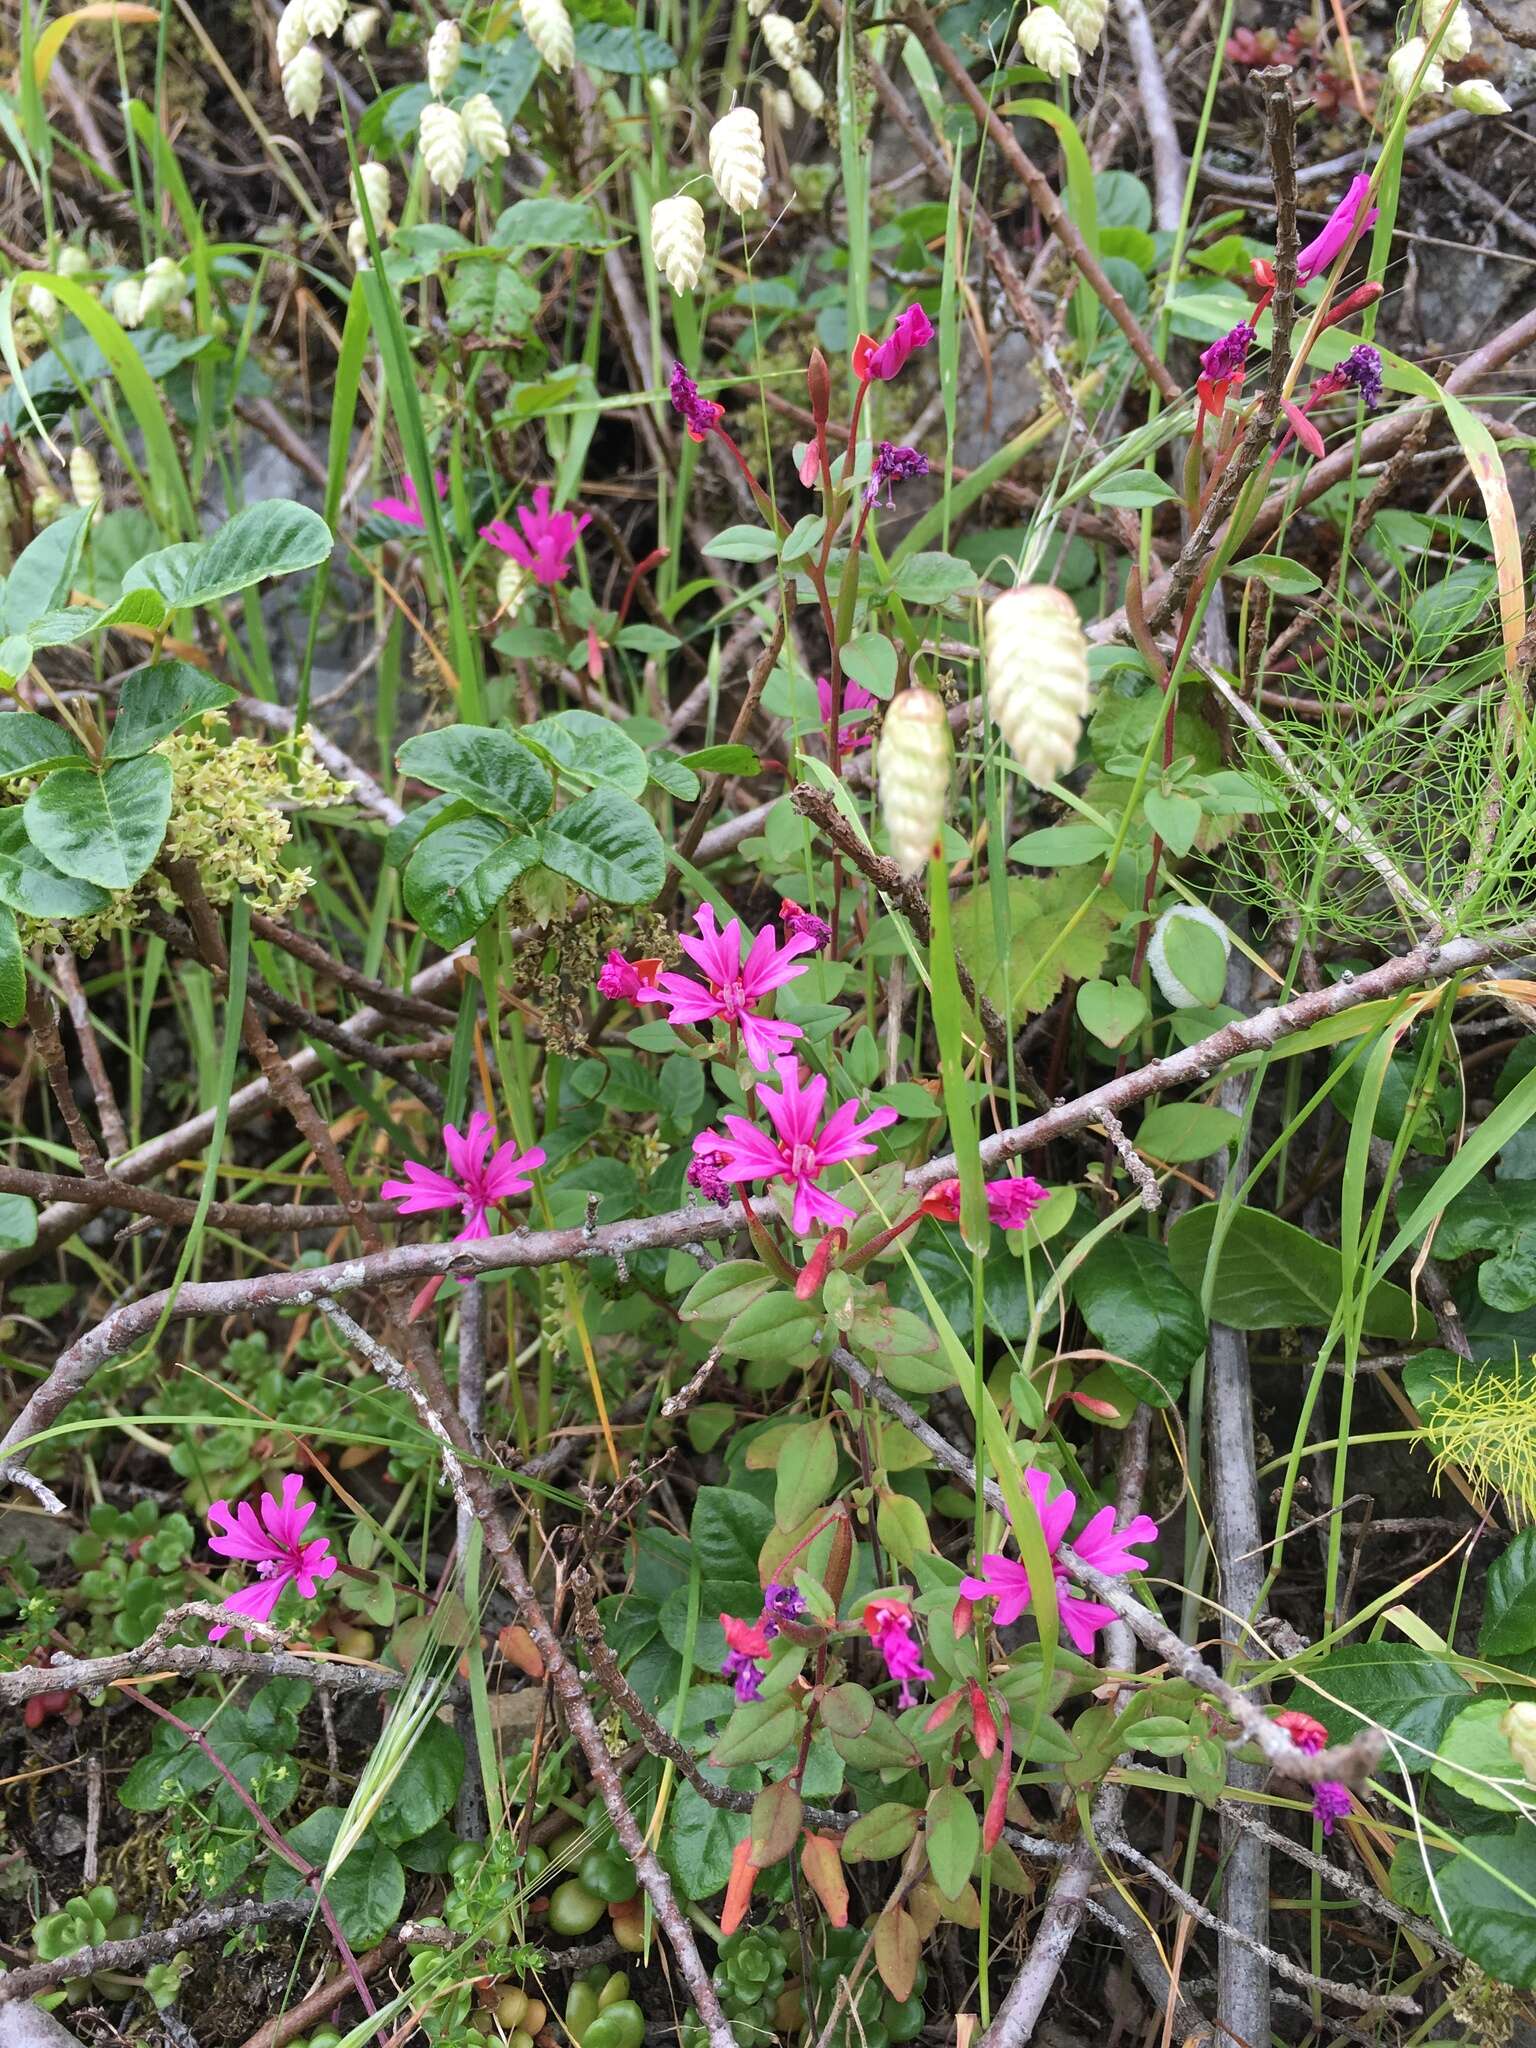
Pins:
x,y
818,381
982,1724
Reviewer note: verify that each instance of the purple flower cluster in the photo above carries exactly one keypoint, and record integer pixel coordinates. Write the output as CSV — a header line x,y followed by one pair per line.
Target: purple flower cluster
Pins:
x,y
1228,357
699,415
1362,368
892,464
747,1642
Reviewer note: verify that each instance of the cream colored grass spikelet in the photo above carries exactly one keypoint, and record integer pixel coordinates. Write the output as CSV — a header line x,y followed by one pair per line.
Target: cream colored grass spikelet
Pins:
x,y
806,89
85,480
359,29
444,47
324,17
1402,68
1085,18
786,45
372,180
912,774
292,32
736,159
303,83
1479,96
1046,40
484,127
678,241
549,29
444,145
1037,677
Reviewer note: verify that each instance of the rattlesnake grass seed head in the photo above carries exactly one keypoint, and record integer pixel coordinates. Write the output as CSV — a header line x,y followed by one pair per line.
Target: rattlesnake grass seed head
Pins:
x,y
445,46
1038,685
678,241
912,773
737,162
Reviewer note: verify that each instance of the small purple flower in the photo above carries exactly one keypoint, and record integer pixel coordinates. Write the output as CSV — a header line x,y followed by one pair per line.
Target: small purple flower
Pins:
x,y
704,1174
699,415
747,1647
892,465
1225,358
1362,368
784,1603
1330,1802
805,924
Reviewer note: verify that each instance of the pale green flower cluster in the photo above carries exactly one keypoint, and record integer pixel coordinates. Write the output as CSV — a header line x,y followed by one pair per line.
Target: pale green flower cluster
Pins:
x,y
230,806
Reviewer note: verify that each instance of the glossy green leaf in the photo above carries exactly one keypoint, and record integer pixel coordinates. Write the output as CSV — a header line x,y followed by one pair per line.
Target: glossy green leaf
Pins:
x,y
590,749
1181,1131
1278,573
458,876
105,828
156,700
1136,1306
1273,1276
1509,1601
483,764
30,744
606,844
31,884
1396,1686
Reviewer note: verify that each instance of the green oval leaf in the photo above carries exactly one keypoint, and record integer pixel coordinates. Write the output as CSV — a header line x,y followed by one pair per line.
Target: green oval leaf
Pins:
x,y
29,742
1509,1604
32,885
366,1894
13,971
954,1837
1476,1759
158,699
274,538
106,828
606,844
484,765
590,748
458,876
1278,573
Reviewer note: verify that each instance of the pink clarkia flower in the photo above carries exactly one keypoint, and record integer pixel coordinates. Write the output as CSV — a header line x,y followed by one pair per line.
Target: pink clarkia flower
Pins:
x,y
877,361
798,1152
484,1177
1341,224
736,985
1099,1545
275,1545
407,507
1010,1202
1308,1733
545,545
628,981
892,1628
857,701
